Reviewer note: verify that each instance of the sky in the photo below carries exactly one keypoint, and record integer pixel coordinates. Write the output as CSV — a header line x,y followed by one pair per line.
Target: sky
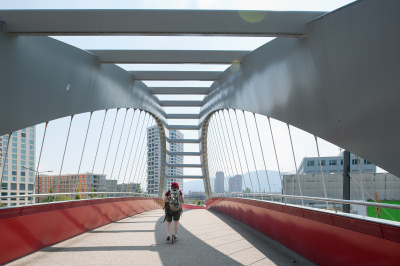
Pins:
x,y
109,160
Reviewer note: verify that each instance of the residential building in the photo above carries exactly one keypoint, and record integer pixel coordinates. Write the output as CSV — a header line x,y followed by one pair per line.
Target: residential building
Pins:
x,y
128,187
154,160
334,164
18,170
219,182
70,183
235,183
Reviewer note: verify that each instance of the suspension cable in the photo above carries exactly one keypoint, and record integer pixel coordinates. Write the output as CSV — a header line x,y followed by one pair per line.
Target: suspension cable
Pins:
x,y
144,145
252,151
137,146
62,162
35,184
109,145
126,145
5,160
323,178
98,145
143,165
226,150
133,142
222,165
276,156
244,152
215,152
83,150
237,149
262,152
119,142
226,127
295,164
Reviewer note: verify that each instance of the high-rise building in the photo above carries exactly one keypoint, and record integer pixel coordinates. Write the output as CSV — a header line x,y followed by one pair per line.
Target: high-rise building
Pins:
x,y
18,170
154,160
219,182
334,164
235,183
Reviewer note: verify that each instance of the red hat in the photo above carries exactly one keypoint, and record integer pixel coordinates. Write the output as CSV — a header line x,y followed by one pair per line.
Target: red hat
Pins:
x,y
174,184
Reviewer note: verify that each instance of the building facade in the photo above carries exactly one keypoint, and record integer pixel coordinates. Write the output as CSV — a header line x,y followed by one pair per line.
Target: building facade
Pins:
x,y
18,171
334,164
154,160
235,183
70,183
219,182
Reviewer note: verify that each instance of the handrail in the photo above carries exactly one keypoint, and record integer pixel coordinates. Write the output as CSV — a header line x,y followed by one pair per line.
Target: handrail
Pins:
x,y
76,193
355,202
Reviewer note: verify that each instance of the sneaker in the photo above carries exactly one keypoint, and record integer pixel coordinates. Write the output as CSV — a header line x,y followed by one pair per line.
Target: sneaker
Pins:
x,y
168,238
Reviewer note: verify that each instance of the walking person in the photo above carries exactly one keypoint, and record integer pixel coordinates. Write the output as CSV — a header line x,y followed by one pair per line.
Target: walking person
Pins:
x,y
174,200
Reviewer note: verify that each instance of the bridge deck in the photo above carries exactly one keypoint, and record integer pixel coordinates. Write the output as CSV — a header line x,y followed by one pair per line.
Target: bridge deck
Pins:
x,y
205,238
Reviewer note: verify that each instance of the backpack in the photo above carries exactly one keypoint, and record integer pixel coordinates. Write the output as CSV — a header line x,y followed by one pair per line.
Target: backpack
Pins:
x,y
174,200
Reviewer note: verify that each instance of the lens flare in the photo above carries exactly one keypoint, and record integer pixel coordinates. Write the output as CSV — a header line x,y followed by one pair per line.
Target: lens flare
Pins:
x,y
253,16
235,66
231,77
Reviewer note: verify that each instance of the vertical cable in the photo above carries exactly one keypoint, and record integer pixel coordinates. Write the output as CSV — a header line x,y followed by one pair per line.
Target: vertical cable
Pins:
x,y
226,150
36,184
84,144
295,164
133,163
276,156
62,162
109,145
361,182
223,132
237,149
5,160
126,145
262,152
241,140
119,142
144,165
133,142
222,165
141,150
320,166
98,145
252,152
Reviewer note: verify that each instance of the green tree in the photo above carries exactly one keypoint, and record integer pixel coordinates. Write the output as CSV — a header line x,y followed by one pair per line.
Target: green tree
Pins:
x,y
3,205
198,203
49,198
137,190
247,190
91,195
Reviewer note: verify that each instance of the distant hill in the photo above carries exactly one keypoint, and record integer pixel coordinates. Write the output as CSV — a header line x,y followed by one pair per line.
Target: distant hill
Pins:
x,y
198,186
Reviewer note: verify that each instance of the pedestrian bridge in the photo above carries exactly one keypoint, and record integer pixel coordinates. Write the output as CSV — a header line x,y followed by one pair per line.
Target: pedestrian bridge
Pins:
x,y
333,75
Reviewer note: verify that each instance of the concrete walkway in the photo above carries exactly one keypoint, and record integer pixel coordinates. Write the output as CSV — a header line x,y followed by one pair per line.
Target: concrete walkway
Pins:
x,y
205,238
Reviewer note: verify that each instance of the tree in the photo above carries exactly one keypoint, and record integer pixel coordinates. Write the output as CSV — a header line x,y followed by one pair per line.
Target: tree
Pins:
x,y
247,190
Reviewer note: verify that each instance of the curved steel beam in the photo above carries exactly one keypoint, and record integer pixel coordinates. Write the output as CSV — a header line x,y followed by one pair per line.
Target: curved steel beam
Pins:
x,y
42,79
340,83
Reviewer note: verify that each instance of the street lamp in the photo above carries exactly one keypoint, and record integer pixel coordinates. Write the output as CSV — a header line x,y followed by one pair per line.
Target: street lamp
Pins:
x,y
36,189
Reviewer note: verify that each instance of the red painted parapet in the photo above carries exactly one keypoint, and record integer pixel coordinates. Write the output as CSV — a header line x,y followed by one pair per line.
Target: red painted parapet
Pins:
x,y
30,228
324,238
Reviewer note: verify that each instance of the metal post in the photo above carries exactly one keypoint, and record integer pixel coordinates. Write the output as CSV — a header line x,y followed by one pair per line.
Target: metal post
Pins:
x,y
346,180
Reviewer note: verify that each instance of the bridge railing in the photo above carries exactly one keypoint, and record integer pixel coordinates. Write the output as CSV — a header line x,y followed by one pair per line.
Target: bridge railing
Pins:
x,y
334,204
63,197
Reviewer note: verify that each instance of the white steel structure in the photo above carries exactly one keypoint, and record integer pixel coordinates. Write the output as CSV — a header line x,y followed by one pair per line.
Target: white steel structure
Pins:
x,y
19,169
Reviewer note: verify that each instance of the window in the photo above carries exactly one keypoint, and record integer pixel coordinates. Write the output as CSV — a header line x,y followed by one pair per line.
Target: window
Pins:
x,y
14,150
4,194
31,137
23,146
31,147
14,167
30,163
4,186
13,186
22,162
14,161
23,135
5,178
5,172
23,130
14,139
323,162
31,142
23,151
14,178
355,161
14,172
310,163
366,162
14,156
31,131
21,186
23,157
30,152
14,145
31,158
332,162
341,162
22,173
